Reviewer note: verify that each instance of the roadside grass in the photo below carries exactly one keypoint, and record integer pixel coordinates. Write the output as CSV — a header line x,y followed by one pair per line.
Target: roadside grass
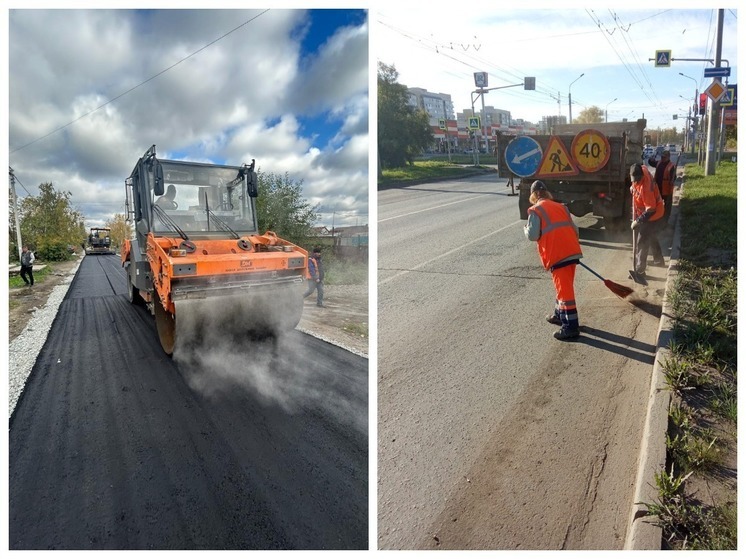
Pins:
x,y
357,329
425,171
345,272
702,371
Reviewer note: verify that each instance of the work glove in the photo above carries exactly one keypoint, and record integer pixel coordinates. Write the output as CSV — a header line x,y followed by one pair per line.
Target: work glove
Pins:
x,y
635,224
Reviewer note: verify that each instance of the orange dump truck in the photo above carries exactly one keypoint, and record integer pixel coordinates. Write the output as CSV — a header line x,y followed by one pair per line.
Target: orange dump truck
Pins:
x,y
197,257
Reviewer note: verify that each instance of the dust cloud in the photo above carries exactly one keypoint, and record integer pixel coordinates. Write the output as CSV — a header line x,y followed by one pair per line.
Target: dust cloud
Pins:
x,y
227,344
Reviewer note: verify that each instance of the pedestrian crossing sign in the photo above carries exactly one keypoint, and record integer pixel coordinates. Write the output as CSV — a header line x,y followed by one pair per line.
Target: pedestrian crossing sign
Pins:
x,y
474,123
557,162
663,59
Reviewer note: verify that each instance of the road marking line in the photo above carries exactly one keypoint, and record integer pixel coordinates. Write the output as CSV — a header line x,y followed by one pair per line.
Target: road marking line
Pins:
x,y
402,272
433,208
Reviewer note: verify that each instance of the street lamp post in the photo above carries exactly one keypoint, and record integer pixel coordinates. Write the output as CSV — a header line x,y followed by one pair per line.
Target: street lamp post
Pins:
x,y
696,108
606,110
569,95
688,134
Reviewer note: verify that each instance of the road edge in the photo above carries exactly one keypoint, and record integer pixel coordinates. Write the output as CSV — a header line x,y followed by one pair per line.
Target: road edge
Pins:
x,y
642,531
32,340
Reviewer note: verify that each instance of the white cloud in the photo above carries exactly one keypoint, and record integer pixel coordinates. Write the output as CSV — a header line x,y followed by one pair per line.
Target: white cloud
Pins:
x,y
237,99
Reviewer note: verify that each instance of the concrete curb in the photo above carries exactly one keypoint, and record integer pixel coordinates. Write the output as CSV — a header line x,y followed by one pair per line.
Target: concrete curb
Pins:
x,y
642,533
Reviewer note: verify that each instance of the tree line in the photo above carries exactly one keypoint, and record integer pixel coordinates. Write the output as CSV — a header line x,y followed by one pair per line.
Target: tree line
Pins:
x,y
50,224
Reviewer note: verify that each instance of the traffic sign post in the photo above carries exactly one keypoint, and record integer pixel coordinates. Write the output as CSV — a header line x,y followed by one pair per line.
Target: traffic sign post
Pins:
x,y
556,162
715,91
523,155
663,59
719,72
590,150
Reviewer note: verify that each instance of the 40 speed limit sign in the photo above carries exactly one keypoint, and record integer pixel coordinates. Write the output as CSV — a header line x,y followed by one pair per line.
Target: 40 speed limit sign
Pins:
x,y
590,150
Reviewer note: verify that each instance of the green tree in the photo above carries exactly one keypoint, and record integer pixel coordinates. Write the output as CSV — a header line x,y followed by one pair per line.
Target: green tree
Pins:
x,y
731,137
590,115
282,209
49,223
403,131
120,230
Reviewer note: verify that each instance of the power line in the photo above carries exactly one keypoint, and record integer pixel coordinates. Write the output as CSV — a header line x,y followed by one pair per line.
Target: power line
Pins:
x,y
141,83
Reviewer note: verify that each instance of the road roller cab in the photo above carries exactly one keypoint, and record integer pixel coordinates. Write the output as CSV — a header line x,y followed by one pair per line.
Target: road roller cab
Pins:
x,y
197,256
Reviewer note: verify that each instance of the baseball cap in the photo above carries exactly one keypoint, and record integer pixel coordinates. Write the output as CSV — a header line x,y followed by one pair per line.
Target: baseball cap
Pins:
x,y
537,185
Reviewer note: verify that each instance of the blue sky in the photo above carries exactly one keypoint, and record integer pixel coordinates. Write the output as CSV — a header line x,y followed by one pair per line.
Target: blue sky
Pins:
x,y
288,88
555,44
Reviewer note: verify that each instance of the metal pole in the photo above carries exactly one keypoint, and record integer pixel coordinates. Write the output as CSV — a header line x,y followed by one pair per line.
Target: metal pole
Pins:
x,y
606,110
712,125
569,95
484,129
15,213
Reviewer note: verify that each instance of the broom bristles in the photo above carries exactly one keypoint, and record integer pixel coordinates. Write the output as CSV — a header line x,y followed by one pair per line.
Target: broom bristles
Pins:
x,y
619,290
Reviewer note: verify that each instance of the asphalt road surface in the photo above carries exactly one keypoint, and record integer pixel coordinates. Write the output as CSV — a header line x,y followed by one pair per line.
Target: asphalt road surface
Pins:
x,y
113,445
491,433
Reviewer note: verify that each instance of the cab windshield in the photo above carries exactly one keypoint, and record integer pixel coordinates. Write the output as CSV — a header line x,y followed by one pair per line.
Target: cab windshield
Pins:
x,y
202,199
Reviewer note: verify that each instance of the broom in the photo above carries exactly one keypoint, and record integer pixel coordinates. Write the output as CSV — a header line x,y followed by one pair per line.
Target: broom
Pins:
x,y
616,288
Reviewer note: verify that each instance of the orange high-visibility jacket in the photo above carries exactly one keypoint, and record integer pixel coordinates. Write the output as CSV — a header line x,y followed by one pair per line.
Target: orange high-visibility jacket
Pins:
x,y
668,182
646,196
558,240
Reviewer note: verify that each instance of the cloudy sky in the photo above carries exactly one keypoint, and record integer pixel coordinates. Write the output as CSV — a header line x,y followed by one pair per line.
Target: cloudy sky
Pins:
x,y
440,49
91,90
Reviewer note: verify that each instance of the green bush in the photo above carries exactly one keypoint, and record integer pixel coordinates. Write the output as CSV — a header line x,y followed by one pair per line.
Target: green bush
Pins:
x,y
52,251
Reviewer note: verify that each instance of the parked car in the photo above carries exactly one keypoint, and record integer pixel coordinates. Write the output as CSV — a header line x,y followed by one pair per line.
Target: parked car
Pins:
x,y
671,148
647,153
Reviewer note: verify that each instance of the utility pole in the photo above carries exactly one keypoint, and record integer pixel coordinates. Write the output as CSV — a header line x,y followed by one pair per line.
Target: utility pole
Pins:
x,y
712,115
569,95
15,212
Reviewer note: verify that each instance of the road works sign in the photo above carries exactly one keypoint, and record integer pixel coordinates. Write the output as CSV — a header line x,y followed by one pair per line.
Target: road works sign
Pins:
x,y
590,150
557,162
662,58
522,156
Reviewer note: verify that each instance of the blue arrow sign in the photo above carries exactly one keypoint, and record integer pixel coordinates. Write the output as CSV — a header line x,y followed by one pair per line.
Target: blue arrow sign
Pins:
x,y
720,72
523,156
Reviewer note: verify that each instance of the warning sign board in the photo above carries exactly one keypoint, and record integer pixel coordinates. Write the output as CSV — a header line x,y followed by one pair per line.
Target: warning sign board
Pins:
x,y
557,161
590,150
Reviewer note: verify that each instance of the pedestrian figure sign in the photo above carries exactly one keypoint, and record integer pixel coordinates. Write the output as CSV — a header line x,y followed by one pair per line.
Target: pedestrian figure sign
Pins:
x,y
473,123
557,161
663,59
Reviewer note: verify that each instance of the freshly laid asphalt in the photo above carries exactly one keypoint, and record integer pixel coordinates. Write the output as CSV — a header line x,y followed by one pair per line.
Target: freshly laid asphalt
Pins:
x,y
114,445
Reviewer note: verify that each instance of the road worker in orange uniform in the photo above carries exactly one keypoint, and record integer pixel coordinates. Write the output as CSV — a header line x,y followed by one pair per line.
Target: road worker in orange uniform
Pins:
x,y
648,211
551,226
665,177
